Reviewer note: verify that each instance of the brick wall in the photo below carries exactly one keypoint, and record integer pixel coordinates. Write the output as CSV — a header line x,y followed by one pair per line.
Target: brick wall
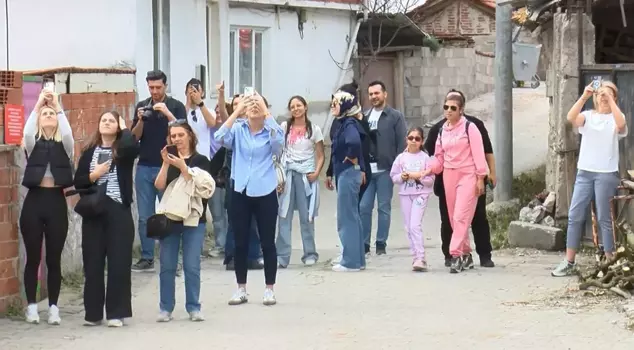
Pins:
x,y
460,18
9,242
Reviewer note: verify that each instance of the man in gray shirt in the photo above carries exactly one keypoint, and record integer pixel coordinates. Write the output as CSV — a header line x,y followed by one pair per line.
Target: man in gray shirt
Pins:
x,y
387,132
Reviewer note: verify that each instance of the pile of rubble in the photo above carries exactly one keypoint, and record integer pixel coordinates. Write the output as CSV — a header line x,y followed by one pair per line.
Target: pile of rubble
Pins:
x,y
540,210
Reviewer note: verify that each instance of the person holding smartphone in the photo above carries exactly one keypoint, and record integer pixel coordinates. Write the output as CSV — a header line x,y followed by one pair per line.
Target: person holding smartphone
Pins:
x,y
108,161
150,129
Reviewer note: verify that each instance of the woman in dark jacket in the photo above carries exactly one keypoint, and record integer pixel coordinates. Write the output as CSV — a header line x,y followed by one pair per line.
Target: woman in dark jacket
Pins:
x,y
108,161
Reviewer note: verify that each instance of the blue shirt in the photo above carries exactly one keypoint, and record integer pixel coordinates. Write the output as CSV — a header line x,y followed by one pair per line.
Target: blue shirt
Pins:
x,y
252,166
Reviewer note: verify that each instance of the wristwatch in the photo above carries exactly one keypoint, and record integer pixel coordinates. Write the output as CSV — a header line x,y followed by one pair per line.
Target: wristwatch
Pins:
x,y
202,103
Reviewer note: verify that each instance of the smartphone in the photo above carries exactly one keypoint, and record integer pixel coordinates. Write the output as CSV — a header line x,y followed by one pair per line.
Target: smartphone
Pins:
x,y
249,91
103,157
596,83
49,85
171,149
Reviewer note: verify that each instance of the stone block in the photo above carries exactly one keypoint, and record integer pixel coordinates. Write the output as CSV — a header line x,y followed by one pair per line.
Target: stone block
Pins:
x,y
527,235
410,62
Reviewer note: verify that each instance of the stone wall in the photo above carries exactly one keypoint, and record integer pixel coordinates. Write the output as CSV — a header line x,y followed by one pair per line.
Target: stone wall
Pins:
x,y
9,242
428,77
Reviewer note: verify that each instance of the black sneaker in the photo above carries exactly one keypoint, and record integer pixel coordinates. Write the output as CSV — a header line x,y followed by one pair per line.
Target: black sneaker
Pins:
x,y
447,262
229,266
487,263
143,265
380,249
456,265
467,262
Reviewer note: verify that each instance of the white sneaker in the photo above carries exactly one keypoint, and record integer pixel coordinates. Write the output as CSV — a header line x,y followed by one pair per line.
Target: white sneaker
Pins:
x,y
310,262
341,268
53,316
239,297
164,316
32,315
92,324
196,316
269,297
115,323
336,261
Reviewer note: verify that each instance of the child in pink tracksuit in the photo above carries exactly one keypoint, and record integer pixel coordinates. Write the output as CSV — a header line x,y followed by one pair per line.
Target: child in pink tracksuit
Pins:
x,y
415,188
460,157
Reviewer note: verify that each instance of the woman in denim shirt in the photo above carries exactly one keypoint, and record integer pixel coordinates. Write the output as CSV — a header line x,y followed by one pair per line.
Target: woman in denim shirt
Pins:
x,y
254,141
597,168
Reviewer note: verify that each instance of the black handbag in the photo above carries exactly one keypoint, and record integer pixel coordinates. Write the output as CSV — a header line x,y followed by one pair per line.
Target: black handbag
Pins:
x,y
91,201
158,226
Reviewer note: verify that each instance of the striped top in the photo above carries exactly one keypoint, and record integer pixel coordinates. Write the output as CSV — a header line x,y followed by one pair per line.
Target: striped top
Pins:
x,y
112,189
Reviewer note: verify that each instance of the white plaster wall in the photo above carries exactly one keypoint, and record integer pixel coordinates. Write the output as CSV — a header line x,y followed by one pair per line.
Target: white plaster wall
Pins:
x,y
45,34
3,37
296,66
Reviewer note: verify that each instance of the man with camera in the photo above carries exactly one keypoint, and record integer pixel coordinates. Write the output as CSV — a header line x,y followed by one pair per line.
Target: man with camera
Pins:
x,y
150,128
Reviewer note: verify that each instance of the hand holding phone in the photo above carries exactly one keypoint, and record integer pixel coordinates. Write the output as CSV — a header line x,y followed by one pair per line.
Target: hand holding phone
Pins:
x,y
103,157
249,91
171,149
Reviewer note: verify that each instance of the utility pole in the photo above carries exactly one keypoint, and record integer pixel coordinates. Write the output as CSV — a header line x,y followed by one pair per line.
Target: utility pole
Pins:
x,y
503,113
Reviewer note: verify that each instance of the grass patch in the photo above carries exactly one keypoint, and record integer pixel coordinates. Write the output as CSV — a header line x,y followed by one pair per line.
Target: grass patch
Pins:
x,y
525,186
14,310
73,280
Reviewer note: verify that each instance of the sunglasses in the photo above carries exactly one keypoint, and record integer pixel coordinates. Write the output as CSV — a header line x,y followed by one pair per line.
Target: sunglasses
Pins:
x,y
177,122
414,138
453,108
194,117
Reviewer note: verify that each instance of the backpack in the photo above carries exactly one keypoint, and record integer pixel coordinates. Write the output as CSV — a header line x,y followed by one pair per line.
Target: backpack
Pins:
x,y
466,129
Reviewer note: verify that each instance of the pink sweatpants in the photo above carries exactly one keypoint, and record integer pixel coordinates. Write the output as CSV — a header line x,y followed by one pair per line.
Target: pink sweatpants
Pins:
x,y
413,208
460,186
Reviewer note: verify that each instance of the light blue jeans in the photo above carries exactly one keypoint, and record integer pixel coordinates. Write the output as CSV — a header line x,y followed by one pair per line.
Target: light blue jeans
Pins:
x,y
146,195
598,186
348,219
297,200
381,187
192,238
219,216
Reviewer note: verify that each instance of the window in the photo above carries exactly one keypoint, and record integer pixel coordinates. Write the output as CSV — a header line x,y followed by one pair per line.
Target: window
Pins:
x,y
245,63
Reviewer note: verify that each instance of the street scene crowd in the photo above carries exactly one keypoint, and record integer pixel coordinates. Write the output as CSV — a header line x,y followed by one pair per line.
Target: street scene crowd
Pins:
x,y
252,173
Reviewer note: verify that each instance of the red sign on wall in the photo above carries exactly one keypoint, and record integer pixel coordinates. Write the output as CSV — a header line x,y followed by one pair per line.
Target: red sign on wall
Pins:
x,y
13,124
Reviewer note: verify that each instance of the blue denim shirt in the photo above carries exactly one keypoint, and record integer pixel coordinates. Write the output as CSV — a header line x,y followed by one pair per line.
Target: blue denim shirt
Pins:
x,y
252,163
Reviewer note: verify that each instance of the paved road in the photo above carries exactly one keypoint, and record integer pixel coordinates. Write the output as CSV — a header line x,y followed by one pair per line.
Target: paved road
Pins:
x,y
386,306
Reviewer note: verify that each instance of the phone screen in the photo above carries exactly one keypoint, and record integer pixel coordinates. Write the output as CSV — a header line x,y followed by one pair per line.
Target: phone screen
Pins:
x,y
103,157
171,149
49,85
249,91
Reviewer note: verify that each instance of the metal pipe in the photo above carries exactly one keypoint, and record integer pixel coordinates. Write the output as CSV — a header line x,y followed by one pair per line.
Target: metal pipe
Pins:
x,y
503,112
582,84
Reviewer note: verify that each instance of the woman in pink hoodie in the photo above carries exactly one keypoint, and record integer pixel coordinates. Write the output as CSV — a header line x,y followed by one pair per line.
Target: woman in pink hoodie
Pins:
x,y
414,190
460,157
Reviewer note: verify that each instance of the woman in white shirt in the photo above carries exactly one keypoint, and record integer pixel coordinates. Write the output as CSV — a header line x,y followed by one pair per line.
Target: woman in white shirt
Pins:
x,y
597,168
303,159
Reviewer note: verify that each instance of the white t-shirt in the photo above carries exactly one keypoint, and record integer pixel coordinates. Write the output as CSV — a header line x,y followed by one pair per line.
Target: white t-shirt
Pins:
x,y
299,148
373,120
599,150
201,129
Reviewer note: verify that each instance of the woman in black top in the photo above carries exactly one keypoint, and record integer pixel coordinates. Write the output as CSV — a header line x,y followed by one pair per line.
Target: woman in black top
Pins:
x,y
108,161
181,135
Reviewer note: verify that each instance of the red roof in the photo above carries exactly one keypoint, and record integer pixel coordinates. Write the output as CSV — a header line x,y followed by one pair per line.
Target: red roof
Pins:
x,y
428,3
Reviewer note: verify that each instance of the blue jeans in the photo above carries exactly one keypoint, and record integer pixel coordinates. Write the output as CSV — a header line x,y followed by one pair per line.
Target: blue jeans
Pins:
x,y
146,195
348,219
297,200
254,243
588,185
192,238
382,187
219,216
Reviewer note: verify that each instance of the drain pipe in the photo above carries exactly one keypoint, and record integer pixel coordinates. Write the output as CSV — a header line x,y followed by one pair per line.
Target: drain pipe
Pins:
x,y
342,73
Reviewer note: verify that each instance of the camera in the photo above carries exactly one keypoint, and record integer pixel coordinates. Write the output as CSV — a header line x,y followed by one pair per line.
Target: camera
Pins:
x,y
148,112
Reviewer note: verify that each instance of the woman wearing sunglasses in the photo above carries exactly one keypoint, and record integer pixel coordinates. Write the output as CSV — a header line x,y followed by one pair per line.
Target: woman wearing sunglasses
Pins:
x,y
460,157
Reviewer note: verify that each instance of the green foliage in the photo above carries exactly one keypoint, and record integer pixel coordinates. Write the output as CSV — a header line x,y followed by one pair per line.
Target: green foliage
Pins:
x,y
525,186
432,43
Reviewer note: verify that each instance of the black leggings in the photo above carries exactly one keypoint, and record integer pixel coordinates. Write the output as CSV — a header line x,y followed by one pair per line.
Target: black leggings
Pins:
x,y
264,209
108,237
44,215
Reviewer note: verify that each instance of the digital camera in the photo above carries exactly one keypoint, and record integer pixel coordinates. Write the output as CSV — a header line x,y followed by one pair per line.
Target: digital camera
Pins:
x,y
148,112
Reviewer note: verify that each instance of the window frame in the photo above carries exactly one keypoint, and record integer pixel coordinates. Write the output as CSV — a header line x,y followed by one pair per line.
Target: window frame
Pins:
x,y
234,70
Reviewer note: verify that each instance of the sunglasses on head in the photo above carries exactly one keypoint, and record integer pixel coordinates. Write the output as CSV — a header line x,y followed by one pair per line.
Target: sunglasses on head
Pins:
x,y
414,138
177,122
194,117
453,108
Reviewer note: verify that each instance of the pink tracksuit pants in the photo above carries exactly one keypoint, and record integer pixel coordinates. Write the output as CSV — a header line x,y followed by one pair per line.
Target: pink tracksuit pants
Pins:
x,y
413,208
460,187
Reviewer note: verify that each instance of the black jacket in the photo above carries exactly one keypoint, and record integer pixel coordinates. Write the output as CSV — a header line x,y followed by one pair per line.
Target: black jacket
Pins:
x,y
366,144
45,153
127,151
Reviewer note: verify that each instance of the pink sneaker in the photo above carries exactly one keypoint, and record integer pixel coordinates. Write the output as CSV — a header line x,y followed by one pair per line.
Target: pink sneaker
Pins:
x,y
419,265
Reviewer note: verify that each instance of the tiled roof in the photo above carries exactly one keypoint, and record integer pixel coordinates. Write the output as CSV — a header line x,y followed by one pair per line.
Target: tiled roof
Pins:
x,y
487,3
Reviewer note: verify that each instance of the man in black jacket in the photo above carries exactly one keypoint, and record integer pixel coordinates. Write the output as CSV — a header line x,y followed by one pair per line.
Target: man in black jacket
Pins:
x,y
480,224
